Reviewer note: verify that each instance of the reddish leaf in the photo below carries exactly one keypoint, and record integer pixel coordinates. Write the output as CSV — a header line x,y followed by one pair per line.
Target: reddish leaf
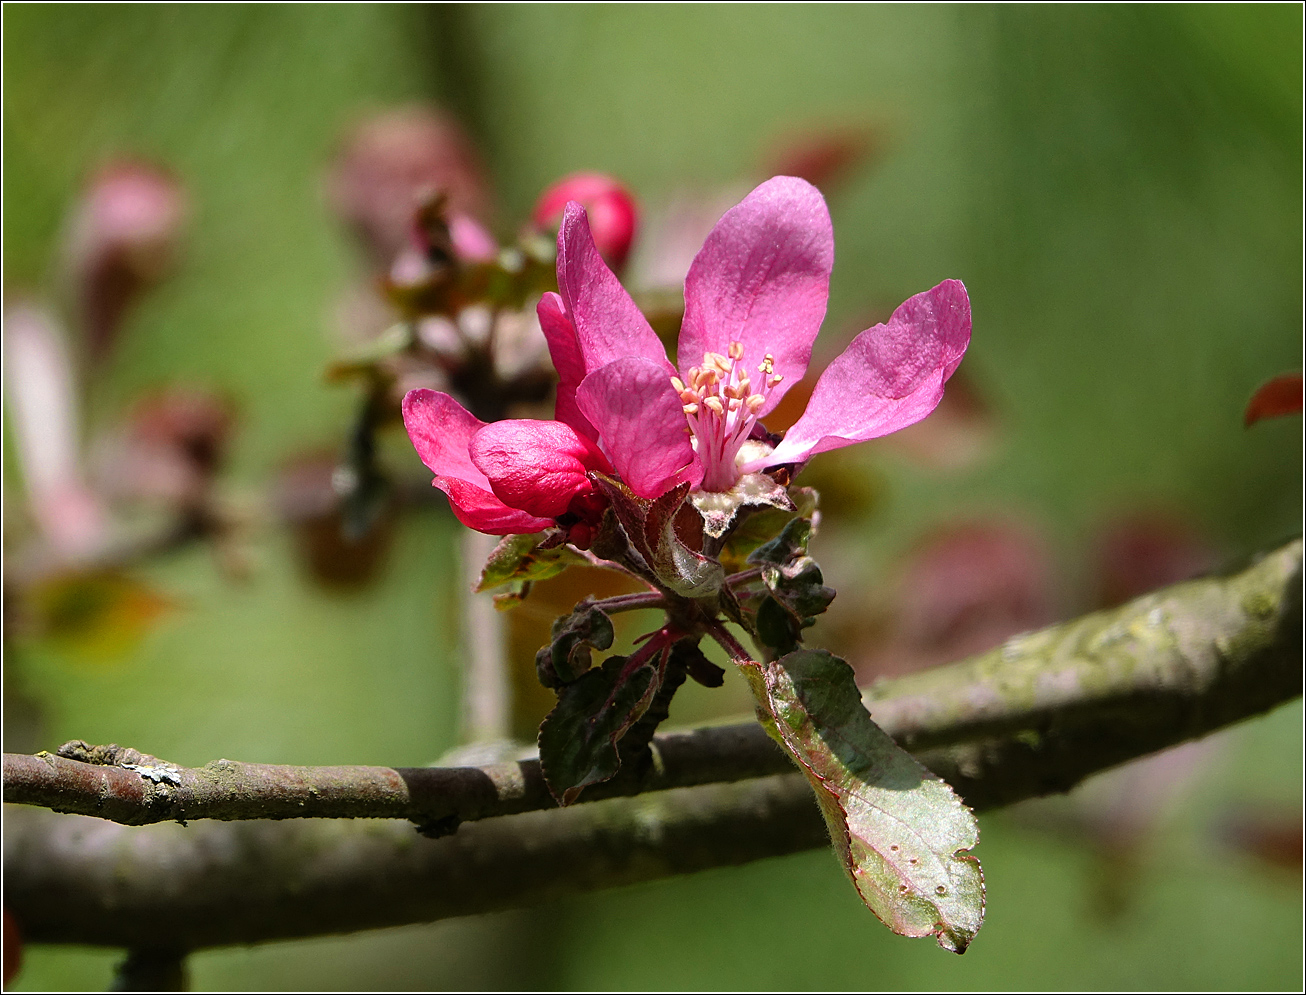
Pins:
x,y
1274,398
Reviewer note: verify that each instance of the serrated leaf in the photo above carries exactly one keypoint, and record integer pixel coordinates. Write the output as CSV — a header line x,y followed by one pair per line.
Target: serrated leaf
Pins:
x,y
578,739
574,636
522,558
901,833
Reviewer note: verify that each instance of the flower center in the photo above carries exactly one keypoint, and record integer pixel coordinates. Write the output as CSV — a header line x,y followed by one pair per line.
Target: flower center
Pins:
x,y
721,404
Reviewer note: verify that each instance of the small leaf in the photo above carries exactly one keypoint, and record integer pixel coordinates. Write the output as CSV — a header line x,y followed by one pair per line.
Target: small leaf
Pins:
x,y
900,833
756,526
720,508
578,739
574,635
651,528
790,543
1281,395
521,558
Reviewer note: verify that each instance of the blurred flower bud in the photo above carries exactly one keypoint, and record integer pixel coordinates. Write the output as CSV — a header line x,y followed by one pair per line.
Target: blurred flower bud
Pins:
x,y
963,590
13,948
1142,550
39,378
612,214
310,495
824,157
122,240
390,163
671,236
171,449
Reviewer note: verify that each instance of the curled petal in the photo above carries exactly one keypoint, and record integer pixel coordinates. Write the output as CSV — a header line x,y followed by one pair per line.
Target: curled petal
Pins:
x,y
608,324
889,377
641,421
565,352
441,431
536,466
762,279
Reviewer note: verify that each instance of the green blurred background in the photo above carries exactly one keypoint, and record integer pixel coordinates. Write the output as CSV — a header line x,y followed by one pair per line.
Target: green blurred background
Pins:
x,y
1120,190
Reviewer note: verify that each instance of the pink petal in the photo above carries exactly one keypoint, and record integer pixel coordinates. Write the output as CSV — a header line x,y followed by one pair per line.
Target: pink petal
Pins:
x,y
480,510
441,430
641,422
537,466
471,241
567,360
762,279
889,377
608,324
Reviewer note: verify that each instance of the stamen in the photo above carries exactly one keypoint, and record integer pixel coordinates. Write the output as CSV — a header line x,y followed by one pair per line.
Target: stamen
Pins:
x,y
736,351
689,396
678,384
755,403
690,409
715,404
767,365
774,381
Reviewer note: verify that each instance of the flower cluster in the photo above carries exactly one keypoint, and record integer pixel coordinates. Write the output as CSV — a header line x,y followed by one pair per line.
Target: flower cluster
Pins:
x,y
755,298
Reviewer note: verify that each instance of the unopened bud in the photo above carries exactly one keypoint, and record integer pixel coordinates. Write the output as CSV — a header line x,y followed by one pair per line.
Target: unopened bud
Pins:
x,y
390,163
613,216
122,240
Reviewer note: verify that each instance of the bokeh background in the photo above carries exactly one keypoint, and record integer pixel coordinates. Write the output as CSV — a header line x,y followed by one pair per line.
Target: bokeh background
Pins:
x,y
1118,187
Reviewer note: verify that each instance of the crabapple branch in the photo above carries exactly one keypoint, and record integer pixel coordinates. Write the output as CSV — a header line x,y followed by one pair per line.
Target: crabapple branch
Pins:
x,y
1032,717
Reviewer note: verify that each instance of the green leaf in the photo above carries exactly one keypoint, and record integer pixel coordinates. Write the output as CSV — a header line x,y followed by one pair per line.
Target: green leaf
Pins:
x,y
578,739
899,831
756,526
521,558
798,591
574,635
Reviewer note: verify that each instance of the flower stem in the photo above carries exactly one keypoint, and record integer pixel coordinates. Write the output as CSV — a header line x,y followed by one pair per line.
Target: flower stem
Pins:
x,y
630,602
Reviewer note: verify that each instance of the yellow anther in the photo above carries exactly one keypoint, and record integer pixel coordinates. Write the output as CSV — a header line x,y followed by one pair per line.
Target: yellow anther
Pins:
x,y
715,359
736,350
735,403
691,409
707,378
755,402
715,404
678,384
689,397
772,381
767,365
744,386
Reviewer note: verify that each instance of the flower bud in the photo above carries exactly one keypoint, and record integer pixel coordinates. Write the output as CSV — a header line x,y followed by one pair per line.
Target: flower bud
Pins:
x,y
612,213
390,164
122,239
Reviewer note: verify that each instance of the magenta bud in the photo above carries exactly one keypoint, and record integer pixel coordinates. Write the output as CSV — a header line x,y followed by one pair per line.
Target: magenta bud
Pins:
x,y
123,239
611,208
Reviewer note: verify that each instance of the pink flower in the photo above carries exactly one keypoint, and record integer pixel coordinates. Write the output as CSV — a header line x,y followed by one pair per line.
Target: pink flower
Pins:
x,y
754,301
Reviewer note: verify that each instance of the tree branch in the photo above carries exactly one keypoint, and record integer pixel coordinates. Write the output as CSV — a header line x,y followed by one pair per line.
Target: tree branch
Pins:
x,y
1034,716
